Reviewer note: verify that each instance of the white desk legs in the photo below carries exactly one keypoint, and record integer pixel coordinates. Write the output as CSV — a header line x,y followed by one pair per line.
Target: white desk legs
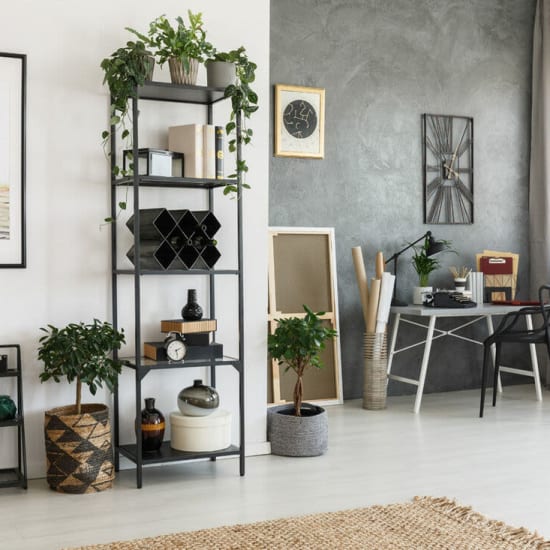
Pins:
x,y
392,341
424,366
534,360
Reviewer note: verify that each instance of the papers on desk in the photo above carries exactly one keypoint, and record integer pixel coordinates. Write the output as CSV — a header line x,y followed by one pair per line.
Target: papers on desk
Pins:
x,y
376,300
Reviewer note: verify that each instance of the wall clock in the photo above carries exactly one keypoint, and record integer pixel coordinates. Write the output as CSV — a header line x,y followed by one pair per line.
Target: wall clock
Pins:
x,y
448,169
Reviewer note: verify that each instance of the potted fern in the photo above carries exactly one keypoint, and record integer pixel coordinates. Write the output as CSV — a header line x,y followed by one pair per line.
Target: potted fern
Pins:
x,y
78,437
300,429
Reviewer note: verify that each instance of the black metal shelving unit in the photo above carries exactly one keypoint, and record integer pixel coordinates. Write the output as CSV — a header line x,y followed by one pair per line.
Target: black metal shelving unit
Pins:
x,y
16,476
207,97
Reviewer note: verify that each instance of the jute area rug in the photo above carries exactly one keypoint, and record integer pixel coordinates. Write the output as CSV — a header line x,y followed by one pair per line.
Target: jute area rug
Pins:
x,y
424,523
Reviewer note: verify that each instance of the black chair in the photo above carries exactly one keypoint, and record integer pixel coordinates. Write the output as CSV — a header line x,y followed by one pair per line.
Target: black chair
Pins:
x,y
507,332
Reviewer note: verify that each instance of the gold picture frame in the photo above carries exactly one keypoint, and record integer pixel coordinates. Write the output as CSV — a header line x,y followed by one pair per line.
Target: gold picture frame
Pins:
x,y
299,121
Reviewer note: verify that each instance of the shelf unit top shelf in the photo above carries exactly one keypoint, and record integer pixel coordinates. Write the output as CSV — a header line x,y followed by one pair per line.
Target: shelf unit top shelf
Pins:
x,y
178,271
182,93
9,373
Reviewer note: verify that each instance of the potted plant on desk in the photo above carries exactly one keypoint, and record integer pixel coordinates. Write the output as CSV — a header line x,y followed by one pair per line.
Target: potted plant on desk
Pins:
x,y
424,263
78,437
300,429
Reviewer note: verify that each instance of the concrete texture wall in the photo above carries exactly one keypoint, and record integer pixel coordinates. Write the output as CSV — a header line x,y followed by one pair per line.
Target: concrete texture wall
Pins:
x,y
383,63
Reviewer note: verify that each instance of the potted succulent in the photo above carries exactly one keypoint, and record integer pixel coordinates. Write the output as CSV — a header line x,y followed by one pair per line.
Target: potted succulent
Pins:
x,y
78,437
424,263
184,46
300,429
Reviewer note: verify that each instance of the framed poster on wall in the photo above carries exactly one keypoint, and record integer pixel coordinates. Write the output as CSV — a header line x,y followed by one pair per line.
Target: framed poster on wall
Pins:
x,y
299,121
12,159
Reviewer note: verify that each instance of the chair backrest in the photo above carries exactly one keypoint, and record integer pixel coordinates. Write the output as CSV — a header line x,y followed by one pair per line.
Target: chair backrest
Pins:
x,y
544,299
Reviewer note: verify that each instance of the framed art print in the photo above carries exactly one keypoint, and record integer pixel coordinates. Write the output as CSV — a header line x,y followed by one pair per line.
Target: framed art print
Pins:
x,y
12,160
299,121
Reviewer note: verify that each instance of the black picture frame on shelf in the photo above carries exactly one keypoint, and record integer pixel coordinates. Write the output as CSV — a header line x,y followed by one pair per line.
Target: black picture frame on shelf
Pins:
x,y
13,93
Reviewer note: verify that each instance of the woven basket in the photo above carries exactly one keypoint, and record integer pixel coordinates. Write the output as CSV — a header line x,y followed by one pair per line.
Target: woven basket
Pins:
x,y
79,451
179,75
376,364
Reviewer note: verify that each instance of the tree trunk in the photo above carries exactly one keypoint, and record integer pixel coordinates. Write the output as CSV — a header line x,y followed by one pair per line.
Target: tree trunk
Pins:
x,y
78,395
298,392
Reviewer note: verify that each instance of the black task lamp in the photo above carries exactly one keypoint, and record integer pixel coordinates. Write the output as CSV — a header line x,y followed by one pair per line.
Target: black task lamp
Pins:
x,y
433,248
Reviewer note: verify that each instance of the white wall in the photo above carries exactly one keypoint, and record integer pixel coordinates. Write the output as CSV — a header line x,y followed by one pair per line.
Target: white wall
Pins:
x,y
67,276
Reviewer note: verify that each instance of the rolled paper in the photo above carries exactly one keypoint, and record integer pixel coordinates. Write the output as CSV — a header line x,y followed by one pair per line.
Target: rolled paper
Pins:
x,y
386,292
374,294
361,277
379,264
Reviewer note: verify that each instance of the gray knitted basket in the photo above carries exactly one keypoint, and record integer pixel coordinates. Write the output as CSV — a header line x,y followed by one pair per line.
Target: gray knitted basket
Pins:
x,y
297,435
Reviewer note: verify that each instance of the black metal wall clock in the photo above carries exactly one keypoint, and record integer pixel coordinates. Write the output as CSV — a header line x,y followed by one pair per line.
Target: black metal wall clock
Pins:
x,y
448,169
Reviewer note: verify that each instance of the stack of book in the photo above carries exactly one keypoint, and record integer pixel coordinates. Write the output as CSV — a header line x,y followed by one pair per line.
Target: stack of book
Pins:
x,y
203,148
196,336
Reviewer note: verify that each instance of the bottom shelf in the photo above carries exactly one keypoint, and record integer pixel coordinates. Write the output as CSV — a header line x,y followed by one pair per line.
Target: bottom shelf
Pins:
x,y
167,454
12,477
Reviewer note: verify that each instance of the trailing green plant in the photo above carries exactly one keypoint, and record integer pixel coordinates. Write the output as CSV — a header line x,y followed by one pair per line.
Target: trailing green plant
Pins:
x,y
297,343
424,264
126,69
244,102
183,42
81,352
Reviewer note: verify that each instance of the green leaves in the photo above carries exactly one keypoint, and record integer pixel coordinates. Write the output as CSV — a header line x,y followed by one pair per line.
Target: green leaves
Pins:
x,y
80,352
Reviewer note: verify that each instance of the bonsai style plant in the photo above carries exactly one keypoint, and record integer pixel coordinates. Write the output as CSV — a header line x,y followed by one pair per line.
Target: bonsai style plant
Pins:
x,y
302,429
80,352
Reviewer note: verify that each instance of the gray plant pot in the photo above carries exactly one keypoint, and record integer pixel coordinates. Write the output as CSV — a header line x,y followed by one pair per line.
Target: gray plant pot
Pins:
x,y
297,435
220,74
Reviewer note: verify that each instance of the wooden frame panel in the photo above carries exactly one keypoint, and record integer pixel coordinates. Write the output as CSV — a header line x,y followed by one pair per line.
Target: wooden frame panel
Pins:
x,y
302,271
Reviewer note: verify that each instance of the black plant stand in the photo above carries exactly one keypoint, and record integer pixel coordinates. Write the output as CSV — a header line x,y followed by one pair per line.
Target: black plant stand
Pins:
x,y
16,476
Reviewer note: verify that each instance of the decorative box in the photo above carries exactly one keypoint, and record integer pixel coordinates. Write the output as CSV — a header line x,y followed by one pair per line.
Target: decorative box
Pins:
x,y
201,433
156,162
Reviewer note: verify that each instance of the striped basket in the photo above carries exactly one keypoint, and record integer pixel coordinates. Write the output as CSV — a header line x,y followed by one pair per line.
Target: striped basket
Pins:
x,y
375,353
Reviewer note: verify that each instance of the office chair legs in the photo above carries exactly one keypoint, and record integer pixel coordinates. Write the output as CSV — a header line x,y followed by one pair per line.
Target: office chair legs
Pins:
x,y
484,373
495,376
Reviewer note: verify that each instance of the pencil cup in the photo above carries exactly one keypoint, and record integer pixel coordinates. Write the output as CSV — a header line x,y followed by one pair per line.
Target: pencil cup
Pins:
x,y
375,370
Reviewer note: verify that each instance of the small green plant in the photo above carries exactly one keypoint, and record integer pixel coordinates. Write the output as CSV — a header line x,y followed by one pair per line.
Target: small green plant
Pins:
x,y
297,343
80,352
126,69
183,42
424,264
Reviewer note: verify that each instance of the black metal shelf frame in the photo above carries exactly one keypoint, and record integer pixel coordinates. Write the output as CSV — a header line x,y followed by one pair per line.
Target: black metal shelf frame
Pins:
x,y
198,95
17,475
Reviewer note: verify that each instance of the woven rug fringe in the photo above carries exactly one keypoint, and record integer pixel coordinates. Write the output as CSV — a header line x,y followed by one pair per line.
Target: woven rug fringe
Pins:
x,y
453,509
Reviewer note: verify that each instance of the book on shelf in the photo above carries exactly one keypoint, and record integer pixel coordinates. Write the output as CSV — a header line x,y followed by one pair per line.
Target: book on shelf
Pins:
x,y
185,327
189,140
209,149
157,351
220,143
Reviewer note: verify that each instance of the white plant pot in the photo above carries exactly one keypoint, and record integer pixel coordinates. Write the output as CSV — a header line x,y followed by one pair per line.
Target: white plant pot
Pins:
x,y
418,294
220,74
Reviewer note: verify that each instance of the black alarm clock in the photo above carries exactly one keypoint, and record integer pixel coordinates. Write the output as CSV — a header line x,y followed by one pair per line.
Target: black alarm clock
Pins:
x,y
175,347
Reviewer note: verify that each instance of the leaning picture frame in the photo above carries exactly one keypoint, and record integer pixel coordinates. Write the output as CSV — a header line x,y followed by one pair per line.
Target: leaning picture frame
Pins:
x,y
299,121
13,81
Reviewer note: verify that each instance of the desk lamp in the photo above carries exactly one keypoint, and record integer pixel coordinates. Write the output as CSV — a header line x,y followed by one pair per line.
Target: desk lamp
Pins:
x,y
433,248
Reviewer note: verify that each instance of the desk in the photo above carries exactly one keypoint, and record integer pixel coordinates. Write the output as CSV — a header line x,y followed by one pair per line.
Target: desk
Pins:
x,y
478,313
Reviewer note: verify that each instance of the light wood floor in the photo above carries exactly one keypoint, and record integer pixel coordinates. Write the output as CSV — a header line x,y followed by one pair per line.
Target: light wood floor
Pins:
x,y
499,465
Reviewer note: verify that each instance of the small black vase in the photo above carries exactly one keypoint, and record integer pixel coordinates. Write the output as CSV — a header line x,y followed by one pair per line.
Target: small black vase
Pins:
x,y
191,310
152,427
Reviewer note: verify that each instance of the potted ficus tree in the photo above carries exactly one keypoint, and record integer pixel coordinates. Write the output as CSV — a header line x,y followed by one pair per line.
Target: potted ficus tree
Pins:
x,y
78,437
300,429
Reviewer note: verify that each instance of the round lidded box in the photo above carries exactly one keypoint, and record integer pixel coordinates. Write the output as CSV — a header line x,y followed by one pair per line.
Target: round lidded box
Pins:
x,y
200,433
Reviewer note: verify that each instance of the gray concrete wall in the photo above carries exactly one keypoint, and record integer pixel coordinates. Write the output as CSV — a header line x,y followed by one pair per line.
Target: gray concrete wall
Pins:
x,y
383,63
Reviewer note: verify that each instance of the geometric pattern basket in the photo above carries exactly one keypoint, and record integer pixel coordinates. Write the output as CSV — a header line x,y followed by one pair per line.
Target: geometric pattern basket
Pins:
x,y
78,449
375,370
